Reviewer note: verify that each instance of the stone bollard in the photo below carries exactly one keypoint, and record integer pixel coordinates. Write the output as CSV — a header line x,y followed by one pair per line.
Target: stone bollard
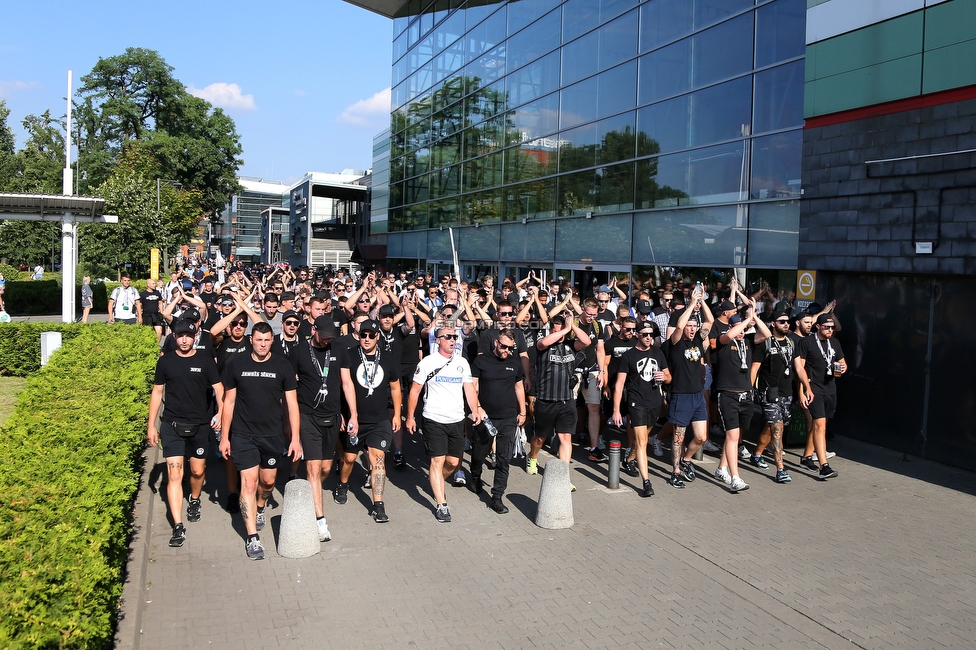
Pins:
x,y
555,499
613,469
298,536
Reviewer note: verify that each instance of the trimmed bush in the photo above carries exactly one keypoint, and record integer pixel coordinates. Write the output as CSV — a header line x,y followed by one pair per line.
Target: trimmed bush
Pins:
x,y
32,297
70,455
20,344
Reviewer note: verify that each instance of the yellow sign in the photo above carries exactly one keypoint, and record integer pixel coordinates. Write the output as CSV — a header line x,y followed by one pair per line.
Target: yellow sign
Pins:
x,y
154,263
806,285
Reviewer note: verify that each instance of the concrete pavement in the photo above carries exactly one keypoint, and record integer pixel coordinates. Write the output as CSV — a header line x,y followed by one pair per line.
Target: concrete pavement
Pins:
x,y
880,557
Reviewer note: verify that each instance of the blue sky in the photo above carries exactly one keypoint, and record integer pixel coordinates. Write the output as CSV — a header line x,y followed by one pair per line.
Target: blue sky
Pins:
x,y
307,82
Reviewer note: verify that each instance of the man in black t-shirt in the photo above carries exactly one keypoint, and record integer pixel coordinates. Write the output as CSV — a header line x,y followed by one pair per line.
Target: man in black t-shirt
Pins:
x,y
191,383
685,352
232,344
256,387
210,299
370,382
316,362
590,364
614,347
772,371
641,372
149,301
286,342
501,392
819,362
732,380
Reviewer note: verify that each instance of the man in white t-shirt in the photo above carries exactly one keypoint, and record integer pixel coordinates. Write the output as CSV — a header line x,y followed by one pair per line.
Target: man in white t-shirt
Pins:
x,y
122,303
448,380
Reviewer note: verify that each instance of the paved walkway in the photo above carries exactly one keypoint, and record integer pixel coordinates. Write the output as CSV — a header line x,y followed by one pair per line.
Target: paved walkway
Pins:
x,y
880,557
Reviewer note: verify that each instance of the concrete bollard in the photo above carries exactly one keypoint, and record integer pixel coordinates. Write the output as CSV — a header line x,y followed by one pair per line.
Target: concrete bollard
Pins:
x,y
298,536
555,499
613,470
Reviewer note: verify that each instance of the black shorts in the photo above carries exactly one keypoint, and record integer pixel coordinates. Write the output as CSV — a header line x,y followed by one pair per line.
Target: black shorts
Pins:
x,y
374,435
642,416
735,410
444,439
319,435
554,417
153,320
249,451
823,405
194,446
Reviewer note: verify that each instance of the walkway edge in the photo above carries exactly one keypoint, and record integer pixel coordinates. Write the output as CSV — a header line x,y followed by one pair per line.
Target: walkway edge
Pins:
x,y
128,634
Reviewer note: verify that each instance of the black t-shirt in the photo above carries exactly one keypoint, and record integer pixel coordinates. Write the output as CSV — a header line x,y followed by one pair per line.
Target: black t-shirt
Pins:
x,y
732,362
201,342
150,301
189,385
260,389
496,384
676,315
284,348
615,347
228,348
209,298
586,358
391,344
640,366
605,317
776,364
311,396
819,355
371,379
531,335
409,346
685,361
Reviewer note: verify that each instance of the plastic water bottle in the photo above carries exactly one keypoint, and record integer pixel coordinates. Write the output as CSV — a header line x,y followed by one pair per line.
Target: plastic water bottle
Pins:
x,y
353,439
492,429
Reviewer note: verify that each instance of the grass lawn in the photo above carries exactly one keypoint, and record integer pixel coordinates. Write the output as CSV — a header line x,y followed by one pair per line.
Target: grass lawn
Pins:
x,y
9,388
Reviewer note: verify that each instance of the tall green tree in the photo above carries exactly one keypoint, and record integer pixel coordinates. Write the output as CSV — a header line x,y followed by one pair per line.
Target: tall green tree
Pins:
x,y
8,145
133,99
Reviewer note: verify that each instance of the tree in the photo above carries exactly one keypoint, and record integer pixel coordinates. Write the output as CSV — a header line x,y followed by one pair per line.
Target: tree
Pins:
x,y
7,146
134,99
130,193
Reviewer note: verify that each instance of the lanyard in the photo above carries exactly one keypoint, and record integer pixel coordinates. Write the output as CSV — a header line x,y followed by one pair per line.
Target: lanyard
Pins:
x,y
741,352
788,356
324,371
370,366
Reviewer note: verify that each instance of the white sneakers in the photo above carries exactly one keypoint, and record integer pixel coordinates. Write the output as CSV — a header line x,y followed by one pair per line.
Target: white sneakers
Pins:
x,y
656,447
737,485
722,474
324,534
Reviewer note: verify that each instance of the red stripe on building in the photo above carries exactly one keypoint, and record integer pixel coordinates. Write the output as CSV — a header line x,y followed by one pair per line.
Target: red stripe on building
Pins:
x,y
897,106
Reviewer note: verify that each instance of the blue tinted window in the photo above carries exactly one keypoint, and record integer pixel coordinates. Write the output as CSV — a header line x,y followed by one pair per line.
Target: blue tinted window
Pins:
x,y
707,236
600,49
776,165
534,120
609,92
535,40
600,239
663,21
583,15
666,72
534,241
532,200
774,233
780,31
478,243
664,126
533,81
722,112
530,159
599,143
779,98
709,175
723,51
521,14
606,189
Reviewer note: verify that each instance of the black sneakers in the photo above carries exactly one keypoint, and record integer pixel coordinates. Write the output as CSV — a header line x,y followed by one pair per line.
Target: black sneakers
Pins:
x,y
442,514
810,463
398,460
826,472
193,510
379,513
341,493
675,481
597,455
475,484
688,471
629,467
497,505
648,490
179,535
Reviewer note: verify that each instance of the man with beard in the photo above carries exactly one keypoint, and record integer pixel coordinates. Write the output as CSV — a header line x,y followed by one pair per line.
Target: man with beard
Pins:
x,y
772,366
819,362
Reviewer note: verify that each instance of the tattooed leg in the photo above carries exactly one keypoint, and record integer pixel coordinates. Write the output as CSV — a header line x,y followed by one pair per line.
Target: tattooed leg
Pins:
x,y
777,429
677,448
378,480
174,488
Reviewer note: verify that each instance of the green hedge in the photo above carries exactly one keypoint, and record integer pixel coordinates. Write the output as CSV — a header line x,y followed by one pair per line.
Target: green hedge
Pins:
x,y
20,344
32,297
70,454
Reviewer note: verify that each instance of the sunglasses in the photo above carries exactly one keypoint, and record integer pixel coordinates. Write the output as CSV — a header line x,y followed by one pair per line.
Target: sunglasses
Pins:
x,y
648,334
629,329
783,321
502,346
363,300
292,323
505,313
449,337
368,335
826,327
603,302
239,323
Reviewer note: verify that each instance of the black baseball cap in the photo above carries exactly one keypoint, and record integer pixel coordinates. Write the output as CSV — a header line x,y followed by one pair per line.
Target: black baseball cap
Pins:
x,y
726,305
644,306
387,310
190,314
369,326
184,326
325,327
291,313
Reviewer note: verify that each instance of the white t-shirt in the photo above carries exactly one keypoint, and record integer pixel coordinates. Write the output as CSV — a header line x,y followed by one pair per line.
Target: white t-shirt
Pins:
x,y
445,391
125,302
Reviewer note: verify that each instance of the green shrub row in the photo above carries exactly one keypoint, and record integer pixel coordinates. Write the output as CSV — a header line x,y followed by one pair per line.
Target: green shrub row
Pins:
x,y
20,345
70,455
35,297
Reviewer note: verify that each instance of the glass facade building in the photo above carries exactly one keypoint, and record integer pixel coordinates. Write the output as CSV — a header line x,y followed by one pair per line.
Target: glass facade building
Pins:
x,y
600,132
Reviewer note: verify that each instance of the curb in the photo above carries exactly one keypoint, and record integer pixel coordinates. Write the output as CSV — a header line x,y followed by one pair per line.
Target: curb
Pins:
x,y
128,633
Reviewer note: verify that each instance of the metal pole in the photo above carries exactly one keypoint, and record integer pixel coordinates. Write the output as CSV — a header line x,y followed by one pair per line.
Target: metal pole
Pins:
x,y
613,472
66,182
928,373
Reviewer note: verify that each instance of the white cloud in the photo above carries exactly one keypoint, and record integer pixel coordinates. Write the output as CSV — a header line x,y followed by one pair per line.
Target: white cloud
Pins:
x,y
7,88
366,112
224,95
298,92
